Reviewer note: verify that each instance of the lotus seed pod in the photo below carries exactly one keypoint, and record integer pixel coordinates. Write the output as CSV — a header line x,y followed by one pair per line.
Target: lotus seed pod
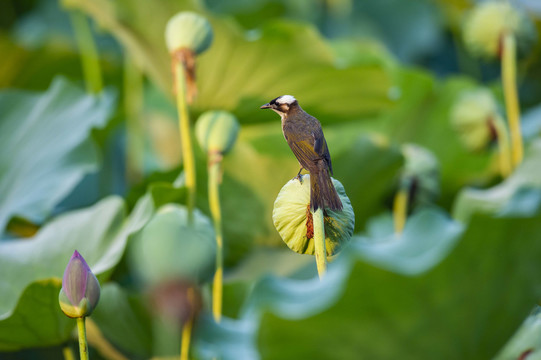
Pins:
x,y
170,248
472,117
488,21
80,288
420,174
293,219
188,30
217,131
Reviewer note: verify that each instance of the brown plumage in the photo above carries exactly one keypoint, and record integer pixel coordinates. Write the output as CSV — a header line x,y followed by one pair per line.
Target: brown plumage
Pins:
x,y
304,136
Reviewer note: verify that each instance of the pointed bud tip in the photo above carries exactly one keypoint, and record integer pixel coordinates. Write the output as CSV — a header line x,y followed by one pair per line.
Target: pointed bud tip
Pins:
x,y
80,288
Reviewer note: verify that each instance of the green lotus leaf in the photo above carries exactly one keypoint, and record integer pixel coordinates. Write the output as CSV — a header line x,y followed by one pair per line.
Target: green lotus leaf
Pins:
x,y
32,269
497,199
478,296
428,237
46,146
123,319
235,56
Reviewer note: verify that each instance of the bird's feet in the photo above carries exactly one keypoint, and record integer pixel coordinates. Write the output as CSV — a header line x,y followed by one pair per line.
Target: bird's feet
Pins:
x,y
298,177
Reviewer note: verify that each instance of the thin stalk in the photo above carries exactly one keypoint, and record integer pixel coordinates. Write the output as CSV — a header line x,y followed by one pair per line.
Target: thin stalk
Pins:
x,y
89,52
319,241
83,347
215,209
187,330
185,137
186,339
504,150
68,353
96,339
509,72
400,209
133,108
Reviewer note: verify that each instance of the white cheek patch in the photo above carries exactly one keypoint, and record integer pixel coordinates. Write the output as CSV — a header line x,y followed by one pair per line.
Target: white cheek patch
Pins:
x,y
286,99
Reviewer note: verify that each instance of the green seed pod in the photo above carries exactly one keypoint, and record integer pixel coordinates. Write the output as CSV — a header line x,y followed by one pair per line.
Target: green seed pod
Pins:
x,y
420,174
188,30
217,131
488,21
472,117
293,219
170,248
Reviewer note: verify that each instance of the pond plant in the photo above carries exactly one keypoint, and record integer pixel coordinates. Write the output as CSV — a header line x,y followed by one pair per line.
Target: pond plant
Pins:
x,y
497,29
200,251
79,296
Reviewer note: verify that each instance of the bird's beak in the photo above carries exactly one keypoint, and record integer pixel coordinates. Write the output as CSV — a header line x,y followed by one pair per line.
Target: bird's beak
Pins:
x,y
266,106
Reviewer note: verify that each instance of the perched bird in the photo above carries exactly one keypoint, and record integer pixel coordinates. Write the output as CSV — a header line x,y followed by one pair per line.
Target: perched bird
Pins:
x,y
305,138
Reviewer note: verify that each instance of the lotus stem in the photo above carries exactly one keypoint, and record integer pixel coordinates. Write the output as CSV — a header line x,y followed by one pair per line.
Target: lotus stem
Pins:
x,y
400,209
319,241
509,70
98,341
81,329
187,329
133,107
89,53
185,137
215,162
504,150
68,353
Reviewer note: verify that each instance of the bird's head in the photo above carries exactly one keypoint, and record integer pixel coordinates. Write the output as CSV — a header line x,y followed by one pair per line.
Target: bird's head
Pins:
x,y
282,105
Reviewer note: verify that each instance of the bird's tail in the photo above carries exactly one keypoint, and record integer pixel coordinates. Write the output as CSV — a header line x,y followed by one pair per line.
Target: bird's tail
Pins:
x,y
322,192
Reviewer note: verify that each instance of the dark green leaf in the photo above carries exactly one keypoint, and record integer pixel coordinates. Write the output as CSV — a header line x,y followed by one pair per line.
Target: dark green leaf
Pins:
x,y
99,233
123,319
46,146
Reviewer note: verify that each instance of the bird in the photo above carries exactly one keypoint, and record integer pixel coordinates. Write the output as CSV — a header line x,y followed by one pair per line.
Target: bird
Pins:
x,y
305,137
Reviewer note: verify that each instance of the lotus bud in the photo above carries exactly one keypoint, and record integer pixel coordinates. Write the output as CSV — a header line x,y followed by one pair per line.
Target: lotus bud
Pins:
x,y
473,117
217,131
188,30
420,174
293,219
488,21
80,288
187,35
169,247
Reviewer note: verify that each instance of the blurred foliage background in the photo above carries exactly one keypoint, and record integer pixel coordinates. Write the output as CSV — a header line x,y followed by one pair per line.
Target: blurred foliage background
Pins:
x,y
87,171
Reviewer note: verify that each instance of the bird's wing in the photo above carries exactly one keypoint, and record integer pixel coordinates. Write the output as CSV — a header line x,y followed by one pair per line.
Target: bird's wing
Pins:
x,y
326,155
320,147
304,152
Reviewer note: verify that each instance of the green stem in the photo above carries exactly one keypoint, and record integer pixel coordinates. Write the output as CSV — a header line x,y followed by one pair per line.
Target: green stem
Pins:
x,y
509,70
185,137
133,108
83,347
214,203
68,353
187,330
504,150
319,241
400,209
89,53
